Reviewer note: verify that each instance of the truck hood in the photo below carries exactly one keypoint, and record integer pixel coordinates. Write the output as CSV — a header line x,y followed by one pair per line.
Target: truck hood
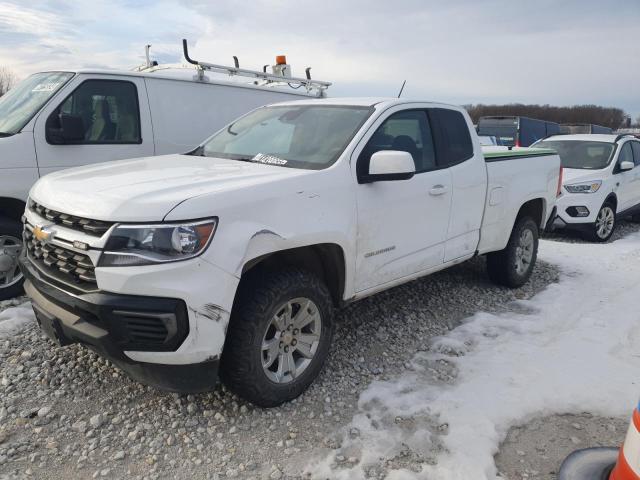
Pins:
x,y
577,175
146,189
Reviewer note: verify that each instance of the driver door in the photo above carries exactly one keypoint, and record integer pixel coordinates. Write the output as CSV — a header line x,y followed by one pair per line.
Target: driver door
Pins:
x,y
402,224
628,181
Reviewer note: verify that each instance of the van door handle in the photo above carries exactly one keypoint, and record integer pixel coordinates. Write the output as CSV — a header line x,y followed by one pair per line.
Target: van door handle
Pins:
x,y
438,190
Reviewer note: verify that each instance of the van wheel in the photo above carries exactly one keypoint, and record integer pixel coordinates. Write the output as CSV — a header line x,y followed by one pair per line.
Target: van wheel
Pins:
x,y
512,266
604,225
11,279
278,337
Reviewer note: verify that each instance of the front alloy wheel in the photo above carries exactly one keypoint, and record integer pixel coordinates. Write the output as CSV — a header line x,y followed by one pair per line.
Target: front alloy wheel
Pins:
x,y
605,223
11,278
278,337
291,340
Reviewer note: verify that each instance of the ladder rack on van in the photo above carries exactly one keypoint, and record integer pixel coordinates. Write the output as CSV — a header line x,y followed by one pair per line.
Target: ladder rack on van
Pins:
x,y
294,82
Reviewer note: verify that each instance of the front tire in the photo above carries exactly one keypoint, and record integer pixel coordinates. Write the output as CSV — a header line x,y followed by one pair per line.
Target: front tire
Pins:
x,y
279,336
512,266
11,279
604,225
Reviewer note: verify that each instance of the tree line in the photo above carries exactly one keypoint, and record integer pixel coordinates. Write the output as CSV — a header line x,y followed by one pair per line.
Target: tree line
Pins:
x,y
7,80
606,116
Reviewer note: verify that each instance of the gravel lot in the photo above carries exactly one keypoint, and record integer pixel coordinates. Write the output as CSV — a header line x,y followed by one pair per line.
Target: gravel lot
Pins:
x,y
535,451
66,412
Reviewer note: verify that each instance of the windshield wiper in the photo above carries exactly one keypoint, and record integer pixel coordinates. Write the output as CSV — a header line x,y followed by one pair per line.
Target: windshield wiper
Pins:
x,y
6,134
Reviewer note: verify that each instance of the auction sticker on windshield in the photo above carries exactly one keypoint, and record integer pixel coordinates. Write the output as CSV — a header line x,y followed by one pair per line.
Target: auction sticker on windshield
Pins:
x,y
269,159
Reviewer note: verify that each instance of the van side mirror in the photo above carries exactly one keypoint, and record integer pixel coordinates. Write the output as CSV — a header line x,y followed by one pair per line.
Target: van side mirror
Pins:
x,y
626,165
388,165
71,130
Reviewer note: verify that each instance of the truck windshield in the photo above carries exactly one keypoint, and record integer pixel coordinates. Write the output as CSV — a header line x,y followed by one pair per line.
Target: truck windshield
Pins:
x,y
301,136
23,101
580,154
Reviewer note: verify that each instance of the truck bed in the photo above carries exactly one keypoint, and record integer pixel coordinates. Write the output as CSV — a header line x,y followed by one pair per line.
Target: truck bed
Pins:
x,y
513,178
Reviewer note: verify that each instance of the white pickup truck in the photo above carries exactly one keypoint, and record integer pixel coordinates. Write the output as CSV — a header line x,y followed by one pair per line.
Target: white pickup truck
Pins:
x,y
230,260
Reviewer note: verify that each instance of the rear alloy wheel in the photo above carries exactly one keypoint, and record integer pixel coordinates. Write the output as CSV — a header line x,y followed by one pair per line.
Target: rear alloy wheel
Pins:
x,y
605,224
512,266
10,247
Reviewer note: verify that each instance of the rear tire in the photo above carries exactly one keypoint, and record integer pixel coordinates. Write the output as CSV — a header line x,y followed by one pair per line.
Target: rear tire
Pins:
x,y
11,278
512,266
605,224
279,336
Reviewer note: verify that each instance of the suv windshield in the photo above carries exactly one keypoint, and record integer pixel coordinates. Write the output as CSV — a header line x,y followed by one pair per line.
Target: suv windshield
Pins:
x,y
23,101
581,154
301,136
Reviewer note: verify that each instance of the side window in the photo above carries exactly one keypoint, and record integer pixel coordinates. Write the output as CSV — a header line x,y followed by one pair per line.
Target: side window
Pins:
x,y
626,153
108,110
451,136
635,146
406,131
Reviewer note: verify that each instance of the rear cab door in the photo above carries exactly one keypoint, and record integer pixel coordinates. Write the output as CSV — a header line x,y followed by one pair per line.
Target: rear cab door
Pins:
x,y
458,151
114,114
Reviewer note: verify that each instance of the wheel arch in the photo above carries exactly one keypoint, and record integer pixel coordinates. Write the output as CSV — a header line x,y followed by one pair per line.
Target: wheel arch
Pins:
x,y
613,198
534,208
12,208
325,260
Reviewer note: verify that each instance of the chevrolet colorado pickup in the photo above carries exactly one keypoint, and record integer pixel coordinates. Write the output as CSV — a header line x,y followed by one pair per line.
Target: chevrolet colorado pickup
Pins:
x,y
230,260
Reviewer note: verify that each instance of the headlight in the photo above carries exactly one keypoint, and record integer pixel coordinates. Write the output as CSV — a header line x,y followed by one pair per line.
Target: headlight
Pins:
x,y
131,245
586,187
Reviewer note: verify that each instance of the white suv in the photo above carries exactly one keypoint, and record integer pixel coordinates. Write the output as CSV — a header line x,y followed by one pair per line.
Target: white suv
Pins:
x,y
601,181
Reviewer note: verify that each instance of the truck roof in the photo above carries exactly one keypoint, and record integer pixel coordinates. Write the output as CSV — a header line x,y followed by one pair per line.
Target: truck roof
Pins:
x,y
593,137
364,102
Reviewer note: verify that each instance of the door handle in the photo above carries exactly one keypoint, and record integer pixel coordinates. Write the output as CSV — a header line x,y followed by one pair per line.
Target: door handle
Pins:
x,y
438,190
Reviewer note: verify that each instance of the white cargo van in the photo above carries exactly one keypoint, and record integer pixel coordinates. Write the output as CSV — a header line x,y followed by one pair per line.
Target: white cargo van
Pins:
x,y
56,120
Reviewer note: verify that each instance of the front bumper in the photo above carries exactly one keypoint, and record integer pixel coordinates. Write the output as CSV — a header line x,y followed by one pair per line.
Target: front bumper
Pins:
x,y
114,324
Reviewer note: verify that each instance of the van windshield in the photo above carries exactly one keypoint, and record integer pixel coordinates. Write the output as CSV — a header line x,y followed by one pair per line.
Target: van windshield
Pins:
x,y
301,136
581,154
23,101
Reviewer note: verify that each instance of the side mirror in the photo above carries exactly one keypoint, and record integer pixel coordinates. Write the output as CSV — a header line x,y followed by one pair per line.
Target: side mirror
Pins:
x,y
388,165
71,130
626,165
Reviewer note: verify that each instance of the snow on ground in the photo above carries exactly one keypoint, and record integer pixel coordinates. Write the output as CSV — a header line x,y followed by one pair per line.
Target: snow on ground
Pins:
x,y
575,347
15,318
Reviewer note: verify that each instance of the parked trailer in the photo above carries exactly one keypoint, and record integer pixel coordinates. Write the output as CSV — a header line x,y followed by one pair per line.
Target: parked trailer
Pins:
x,y
516,131
581,128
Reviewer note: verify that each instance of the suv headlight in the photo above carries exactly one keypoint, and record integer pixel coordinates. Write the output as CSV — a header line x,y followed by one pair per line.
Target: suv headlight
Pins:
x,y
585,187
131,245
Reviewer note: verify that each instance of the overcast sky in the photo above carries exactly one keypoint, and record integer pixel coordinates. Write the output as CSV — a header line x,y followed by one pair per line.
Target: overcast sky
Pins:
x,y
561,52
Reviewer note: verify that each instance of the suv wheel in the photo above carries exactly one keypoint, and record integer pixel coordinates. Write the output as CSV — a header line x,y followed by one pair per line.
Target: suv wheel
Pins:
x,y
512,266
278,337
605,224
10,247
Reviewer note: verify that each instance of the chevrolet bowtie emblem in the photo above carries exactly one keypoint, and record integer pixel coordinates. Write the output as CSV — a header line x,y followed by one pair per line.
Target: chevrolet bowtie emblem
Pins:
x,y
42,234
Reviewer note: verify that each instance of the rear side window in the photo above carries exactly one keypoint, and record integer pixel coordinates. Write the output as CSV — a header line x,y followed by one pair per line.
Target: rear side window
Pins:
x,y
635,146
108,110
451,137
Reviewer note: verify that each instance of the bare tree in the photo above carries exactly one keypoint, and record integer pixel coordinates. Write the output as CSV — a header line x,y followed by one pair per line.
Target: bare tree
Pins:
x,y
7,80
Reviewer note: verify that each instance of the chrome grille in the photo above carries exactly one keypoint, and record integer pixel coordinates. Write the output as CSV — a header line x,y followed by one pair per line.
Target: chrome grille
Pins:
x,y
61,263
91,227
